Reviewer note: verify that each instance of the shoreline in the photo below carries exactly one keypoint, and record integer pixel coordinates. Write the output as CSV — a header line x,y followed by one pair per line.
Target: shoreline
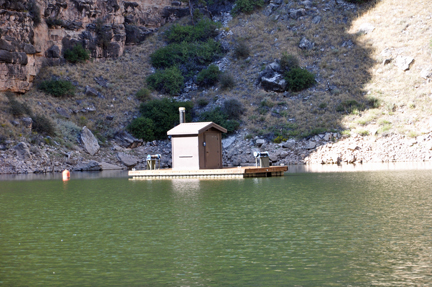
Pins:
x,y
329,149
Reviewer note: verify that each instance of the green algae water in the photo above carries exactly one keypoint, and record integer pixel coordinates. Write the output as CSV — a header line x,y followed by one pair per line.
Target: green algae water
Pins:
x,y
303,229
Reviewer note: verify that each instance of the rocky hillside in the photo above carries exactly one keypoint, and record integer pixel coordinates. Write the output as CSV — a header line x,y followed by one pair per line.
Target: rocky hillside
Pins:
x,y
371,100
35,33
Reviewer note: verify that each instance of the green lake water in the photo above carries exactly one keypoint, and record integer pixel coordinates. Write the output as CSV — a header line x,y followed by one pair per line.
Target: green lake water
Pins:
x,y
304,229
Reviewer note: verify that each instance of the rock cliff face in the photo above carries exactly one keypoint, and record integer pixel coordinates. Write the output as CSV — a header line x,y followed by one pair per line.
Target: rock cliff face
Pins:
x,y
34,33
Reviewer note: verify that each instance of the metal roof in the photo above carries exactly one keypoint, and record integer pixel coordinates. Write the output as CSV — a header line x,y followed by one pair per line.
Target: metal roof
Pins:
x,y
194,128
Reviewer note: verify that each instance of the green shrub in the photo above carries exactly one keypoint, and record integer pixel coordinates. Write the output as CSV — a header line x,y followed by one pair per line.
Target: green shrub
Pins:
x,y
202,30
209,76
288,62
241,50
57,88
349,106
77,54
220,117
202,102
363,132
322,105
143,94
142,128
34,11
43,125
279,139
18,109
168,81
186,53
233,109
226,81
373,102
103,33
247,6
299,79
165,114
313,132
82,121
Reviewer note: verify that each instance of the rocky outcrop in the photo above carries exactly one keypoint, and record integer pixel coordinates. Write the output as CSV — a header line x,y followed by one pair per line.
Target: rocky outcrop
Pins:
x,y
34,33
271,79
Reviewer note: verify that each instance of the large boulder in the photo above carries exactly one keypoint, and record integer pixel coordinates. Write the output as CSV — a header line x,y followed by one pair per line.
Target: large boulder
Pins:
x,y
126,140
88,166
404,63
128,160
290,144
274,83
108,166
89,141
271,78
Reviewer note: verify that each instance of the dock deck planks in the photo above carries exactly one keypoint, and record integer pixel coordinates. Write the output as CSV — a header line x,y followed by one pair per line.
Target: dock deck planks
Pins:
x,y
231,172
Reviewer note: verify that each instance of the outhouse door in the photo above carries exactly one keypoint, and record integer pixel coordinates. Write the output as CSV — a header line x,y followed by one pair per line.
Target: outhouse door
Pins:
x,y
212,150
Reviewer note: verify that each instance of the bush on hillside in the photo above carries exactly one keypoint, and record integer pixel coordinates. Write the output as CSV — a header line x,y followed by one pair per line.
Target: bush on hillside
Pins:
x,y
43,125
142,128
184,53
143,94
299,79
246,6
57,88
209,76
18,109
241,50
202,30
77,54
220,117
288,62
165,114
168,81
202,102
226,81
349,106
233,108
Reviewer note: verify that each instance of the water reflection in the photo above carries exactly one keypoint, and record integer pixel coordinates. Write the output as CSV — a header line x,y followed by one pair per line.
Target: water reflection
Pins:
x,y
188,186
305,229
390,166
58,176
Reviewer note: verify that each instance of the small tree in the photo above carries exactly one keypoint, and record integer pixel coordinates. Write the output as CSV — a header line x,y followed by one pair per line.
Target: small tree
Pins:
x,y
142,128
169,80
77,54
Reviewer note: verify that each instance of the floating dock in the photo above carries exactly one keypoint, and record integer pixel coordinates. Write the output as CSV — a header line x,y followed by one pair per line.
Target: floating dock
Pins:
x,y
231,172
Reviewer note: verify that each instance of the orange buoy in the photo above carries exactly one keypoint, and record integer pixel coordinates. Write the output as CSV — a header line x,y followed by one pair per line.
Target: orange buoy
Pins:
x,y
66,175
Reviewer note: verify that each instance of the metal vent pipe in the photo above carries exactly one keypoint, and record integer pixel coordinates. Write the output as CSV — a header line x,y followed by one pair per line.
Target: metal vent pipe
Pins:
x,y
182,112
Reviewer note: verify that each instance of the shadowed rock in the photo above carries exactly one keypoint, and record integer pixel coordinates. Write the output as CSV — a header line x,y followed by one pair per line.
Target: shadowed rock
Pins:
x,y
126,140
88,166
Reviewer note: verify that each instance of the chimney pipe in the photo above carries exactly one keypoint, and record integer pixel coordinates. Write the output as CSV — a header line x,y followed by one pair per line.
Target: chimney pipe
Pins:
x,y
182,112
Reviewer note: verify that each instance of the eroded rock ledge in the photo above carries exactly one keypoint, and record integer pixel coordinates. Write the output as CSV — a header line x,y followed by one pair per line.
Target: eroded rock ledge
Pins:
x,y
102,26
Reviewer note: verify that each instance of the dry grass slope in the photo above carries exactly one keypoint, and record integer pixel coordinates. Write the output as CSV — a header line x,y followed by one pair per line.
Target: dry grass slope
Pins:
x,y
347,64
